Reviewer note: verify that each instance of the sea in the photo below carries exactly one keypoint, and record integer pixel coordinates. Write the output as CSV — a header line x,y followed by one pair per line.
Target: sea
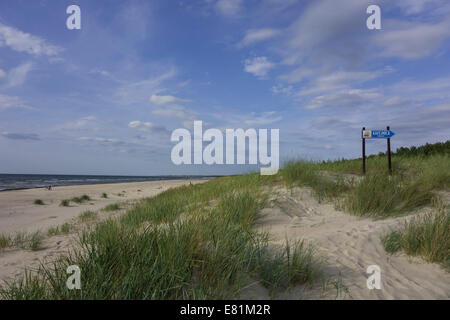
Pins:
x,y
28,181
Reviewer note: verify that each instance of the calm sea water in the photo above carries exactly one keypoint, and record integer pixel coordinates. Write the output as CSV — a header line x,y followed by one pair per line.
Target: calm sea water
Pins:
x,y
26,181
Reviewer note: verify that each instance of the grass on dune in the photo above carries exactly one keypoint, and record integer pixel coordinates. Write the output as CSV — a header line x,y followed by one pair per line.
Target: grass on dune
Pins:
x,y
112,207
38,202
81,199
191,242
427,236
78,200
64,203
292,264
63,229
22,240
197,241
87,216
377,194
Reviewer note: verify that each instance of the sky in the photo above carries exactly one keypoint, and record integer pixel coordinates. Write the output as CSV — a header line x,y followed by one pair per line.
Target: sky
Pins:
x,y
105,99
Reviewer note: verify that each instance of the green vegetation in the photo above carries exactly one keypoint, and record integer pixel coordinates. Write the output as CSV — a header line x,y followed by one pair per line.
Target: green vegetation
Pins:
x,y
181,244
198,241
38,202
5,241
427,236
104,195
377,194
64,203
78,200
112,207
288,267
22,240
87,216
63,229
442,148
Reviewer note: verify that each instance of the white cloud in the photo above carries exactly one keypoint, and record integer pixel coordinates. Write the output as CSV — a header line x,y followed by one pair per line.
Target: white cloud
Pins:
x,y
411,7
258,66
326,29
229,8
298,74
337,80
147,126
2,73
20,136
82,123
257,35
166,100
346,98
411,40
101,140
280,89
436,89
18,75
10,102
142,126
262,119
25,42
251,120
173,112
137,92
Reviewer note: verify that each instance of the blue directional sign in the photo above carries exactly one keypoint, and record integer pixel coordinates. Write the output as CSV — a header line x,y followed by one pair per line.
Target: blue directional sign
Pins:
x,y
377,134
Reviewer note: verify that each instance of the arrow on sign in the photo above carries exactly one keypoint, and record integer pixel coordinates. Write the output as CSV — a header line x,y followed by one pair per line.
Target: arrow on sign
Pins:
x,y
378,134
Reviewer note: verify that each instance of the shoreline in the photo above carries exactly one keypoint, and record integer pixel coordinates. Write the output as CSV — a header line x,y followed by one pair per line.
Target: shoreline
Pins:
x,y
162,178
18,213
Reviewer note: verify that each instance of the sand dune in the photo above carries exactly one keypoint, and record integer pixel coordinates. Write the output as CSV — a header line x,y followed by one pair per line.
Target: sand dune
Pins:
x,y
349,245
18,213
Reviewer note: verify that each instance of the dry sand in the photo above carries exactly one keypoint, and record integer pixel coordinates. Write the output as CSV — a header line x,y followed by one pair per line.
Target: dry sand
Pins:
x,y
348,245
19,214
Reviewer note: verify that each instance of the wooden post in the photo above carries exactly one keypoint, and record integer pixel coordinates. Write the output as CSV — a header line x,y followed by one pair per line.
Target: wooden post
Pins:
x,y
363,151
389,152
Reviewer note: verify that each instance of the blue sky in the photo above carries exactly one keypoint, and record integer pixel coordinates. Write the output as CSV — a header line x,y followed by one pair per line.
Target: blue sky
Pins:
x,y
105,99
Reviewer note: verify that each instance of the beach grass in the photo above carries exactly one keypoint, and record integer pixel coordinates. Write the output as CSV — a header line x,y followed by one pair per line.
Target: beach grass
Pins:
x,y
198,241
63,229
64,203
377,194
294,264
112,207
104,195
38,202
5,241
80,199
427,236
87,216
27,241
190,242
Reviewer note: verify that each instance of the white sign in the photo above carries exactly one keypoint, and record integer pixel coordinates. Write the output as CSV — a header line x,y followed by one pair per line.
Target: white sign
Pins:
x,y
367,134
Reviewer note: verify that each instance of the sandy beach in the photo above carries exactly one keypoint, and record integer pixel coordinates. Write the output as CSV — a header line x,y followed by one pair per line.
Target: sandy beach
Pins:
x,y
19,213
348,245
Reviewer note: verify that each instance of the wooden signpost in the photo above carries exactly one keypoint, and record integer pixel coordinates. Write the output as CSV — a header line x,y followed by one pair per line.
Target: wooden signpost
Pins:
x,y
376,134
